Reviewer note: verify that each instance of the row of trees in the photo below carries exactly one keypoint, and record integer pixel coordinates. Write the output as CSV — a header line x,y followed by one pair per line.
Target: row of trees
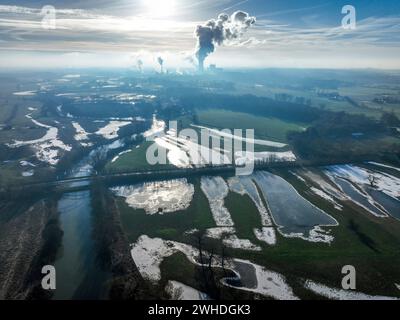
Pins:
x,y
345,137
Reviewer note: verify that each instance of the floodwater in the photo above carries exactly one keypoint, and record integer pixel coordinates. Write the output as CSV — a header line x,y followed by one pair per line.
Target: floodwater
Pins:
x,y
356,196
291,212
391,205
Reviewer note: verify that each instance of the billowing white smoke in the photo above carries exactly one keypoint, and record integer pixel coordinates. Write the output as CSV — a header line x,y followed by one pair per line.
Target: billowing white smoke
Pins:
x,y
216,32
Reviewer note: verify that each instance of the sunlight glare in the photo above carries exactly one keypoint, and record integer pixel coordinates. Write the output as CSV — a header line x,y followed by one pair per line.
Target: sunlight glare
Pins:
x,y
160,8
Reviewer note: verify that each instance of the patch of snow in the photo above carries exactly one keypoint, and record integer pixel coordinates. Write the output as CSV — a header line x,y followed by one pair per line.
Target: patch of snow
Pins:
x,y
157,128
64,95
184,152
110,131
81,134
216,189
234,242
47,147
120,154
131,97
327,197
148,253
384,182
188,152
219,232
179,291
230,239
72,76
28,173
24,163
243,157
341,294
25,93
176,156
324,185
191,231
298,176
384,165
269,283
158,197
266,234
316,234
252,141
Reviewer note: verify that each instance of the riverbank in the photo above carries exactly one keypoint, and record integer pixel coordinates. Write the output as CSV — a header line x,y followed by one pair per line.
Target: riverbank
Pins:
x,y
29,238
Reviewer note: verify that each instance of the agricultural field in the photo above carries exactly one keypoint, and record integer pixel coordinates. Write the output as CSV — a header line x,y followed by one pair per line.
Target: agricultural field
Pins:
x,y
356,236
264,128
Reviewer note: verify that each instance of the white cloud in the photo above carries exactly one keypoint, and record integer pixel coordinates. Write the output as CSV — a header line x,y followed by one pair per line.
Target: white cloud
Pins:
x,y
375,43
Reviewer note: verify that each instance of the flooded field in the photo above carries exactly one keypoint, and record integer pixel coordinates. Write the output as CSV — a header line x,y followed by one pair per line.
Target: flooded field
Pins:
x,y
295,216
375,191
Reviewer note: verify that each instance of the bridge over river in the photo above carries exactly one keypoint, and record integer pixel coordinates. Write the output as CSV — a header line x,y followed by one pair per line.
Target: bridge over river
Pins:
x,y
70,184
83,182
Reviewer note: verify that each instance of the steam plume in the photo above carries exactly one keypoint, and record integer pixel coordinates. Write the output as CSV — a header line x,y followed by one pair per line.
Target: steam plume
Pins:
x,y
215,32
139,64
161,63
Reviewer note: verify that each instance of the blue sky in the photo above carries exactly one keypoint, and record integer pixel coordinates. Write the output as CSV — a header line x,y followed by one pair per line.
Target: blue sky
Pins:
x,y
292,33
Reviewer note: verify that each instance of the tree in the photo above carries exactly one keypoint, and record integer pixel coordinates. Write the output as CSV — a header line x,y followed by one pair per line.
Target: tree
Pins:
x,y
206,259
390,119
372,180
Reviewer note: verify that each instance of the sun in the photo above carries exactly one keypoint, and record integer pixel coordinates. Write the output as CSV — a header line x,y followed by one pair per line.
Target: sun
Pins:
x,y
160,8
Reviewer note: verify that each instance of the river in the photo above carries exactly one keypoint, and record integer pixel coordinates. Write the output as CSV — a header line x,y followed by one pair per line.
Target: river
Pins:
x,y
78,273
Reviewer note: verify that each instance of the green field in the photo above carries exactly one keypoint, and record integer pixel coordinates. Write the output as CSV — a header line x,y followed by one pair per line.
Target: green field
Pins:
x,y
135,160
264,128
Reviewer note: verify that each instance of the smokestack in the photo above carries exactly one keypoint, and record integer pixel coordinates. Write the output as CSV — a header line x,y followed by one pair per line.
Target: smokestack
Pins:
x,y
161,63
201,63
216,32
139,64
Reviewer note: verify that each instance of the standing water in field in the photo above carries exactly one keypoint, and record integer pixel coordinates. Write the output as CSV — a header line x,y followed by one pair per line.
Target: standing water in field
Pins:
x,y
377,192
358,197
391,205
294,215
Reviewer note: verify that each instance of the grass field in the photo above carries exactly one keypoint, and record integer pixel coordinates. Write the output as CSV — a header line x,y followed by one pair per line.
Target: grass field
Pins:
x,y
135,160
264,128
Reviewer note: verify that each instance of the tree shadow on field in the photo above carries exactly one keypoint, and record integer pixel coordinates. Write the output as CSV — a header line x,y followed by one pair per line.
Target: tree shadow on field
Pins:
x,y
366,240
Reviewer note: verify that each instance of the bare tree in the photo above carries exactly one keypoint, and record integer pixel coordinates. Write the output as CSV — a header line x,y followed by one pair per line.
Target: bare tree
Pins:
x,y
372,180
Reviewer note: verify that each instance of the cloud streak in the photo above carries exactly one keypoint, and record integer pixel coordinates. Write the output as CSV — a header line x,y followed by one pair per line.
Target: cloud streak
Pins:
x,y
375,42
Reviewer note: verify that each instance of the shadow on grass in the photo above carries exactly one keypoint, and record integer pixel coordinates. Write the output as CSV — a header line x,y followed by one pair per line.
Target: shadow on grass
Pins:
x,y
370,243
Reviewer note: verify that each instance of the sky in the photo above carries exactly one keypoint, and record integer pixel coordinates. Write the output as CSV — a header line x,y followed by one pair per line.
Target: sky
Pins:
x,y
289,34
